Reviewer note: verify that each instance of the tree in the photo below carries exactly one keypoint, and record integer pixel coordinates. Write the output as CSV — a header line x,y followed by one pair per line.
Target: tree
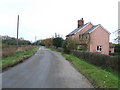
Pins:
x,y
117,39
12,41
48,42
57,42
39,42
69,45
117,48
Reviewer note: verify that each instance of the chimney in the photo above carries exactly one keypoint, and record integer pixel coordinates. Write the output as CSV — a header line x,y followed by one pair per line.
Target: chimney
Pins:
x,y
80,22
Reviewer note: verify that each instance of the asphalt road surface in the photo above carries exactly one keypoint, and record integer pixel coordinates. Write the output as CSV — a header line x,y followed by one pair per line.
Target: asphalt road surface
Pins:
x,y
45,69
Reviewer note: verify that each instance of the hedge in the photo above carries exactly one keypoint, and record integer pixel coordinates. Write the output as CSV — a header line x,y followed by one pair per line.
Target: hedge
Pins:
x,y
102,60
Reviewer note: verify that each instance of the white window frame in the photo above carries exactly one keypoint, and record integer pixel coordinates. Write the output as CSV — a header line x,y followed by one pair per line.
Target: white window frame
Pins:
x,y
100,47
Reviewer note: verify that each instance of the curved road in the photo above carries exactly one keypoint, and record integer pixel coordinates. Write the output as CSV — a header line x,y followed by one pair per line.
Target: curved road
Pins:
x,y
46,69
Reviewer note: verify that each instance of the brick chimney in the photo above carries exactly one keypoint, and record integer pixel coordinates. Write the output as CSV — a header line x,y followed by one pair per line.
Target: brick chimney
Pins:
x,y
80,22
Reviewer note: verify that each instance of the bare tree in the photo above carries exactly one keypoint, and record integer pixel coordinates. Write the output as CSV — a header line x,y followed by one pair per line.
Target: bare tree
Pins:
x,y
117,39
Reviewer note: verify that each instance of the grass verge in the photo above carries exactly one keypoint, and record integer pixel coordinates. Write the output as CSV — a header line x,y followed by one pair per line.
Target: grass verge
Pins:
x,y
17,58
100,78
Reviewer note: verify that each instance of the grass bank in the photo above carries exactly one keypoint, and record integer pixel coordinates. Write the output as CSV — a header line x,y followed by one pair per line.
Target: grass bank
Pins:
x,y
17,58
99,77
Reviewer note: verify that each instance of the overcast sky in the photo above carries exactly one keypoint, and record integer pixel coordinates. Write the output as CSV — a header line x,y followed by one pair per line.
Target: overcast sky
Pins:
x,y
42,18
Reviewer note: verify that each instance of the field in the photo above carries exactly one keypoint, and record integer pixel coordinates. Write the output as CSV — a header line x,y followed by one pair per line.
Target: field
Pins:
x,y
12,56
10,50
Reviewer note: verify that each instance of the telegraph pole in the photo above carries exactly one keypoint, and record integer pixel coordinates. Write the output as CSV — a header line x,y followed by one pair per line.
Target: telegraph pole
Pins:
x,y
17,29
35,38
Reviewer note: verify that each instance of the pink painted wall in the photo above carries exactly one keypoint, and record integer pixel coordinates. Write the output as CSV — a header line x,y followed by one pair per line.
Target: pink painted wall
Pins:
x,y
99,37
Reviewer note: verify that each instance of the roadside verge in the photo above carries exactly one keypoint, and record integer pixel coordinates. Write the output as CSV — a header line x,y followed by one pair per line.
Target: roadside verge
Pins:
x,y
99,77
17,58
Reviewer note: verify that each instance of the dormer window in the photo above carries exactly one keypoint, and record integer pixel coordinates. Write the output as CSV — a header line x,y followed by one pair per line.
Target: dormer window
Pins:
x,y
99,48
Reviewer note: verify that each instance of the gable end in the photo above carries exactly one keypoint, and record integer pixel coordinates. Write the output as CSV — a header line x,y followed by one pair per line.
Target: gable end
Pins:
x,y
99,25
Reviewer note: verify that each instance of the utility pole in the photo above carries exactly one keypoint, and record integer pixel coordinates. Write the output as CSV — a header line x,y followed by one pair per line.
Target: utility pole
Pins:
x,y
17,29
35,40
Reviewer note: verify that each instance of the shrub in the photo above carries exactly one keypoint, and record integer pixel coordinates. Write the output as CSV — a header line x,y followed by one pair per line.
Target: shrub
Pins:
x,y
69,45
104,61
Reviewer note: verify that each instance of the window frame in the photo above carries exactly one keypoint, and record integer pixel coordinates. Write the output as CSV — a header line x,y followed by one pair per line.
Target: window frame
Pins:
x,y
99,48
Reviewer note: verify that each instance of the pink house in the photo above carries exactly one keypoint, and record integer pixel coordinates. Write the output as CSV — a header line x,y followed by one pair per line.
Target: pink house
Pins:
x,y
94,37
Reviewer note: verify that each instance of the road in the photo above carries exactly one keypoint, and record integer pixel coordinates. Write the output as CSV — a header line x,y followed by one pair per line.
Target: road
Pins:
x,y
45,69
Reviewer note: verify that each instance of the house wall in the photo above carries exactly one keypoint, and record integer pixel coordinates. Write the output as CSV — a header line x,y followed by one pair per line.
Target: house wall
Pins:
x,y
99,37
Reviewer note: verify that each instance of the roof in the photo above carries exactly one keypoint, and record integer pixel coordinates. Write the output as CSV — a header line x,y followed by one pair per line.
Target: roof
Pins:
x,y
91,29
78,29
94,27
88,31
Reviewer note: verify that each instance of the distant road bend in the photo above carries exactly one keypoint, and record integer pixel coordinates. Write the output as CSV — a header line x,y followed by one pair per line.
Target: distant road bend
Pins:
x,y
46,69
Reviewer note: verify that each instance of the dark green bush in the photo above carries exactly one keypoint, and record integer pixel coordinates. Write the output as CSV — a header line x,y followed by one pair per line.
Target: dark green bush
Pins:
x,y
104,61
117,48
58,41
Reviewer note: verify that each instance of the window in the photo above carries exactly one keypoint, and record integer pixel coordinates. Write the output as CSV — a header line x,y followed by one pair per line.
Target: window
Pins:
x,y
81,36
99,48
